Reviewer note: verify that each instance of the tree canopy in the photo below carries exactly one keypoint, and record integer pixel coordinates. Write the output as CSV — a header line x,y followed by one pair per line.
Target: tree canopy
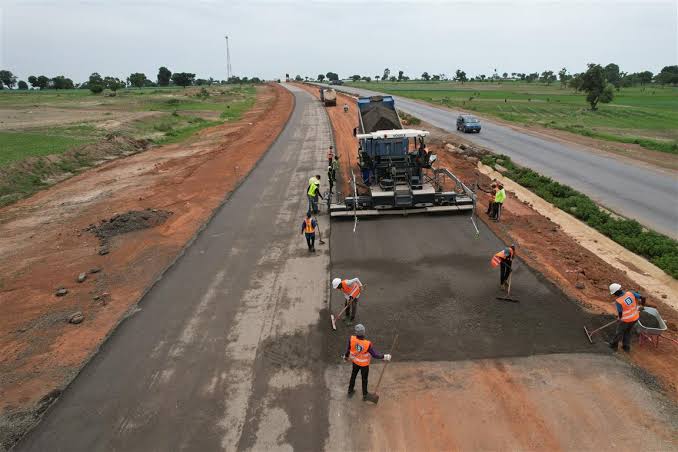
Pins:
x,y
7,78
183,78
668,75
596,86
164,76
137,79
61,82
460,76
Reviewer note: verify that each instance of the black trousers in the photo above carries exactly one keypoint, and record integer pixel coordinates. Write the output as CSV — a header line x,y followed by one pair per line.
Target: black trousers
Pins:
x,y
364,373
352,309
310,240
623,333
504,272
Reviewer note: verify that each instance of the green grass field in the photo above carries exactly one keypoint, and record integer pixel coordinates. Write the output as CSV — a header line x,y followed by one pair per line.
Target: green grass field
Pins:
x,y
37,124
181,113
17,145
647,116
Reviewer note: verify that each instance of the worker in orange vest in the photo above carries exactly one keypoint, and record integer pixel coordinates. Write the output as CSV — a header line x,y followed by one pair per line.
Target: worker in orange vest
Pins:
x,y
351,289
360,352
308,228
504,259
628,310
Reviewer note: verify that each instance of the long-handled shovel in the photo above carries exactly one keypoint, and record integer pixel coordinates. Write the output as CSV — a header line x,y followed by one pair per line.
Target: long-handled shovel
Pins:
x,y
375,396
334,319
320,234
508,294
588,335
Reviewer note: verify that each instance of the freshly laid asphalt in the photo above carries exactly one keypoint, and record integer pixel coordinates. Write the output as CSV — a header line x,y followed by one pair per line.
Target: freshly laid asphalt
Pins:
x,y
429,280
638,192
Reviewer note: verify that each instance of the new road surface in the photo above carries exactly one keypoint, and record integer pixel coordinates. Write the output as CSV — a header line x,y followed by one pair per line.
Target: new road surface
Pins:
x,y
641,193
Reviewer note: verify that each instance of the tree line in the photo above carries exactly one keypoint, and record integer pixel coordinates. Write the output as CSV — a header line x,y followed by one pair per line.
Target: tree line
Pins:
x,y
96,83
597,82
619,79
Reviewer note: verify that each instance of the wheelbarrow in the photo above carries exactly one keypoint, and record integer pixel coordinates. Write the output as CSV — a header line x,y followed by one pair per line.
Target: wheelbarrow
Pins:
x,y
648,334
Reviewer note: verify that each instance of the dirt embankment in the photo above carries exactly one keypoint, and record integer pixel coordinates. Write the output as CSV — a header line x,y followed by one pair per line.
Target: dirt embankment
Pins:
x,y
45,245
582,275
21,179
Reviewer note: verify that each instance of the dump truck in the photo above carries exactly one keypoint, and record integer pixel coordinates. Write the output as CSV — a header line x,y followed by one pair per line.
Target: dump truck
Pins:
x,y
397,175
329,97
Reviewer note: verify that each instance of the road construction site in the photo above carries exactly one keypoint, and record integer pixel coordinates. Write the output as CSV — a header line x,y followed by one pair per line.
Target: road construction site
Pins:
x,y
232,349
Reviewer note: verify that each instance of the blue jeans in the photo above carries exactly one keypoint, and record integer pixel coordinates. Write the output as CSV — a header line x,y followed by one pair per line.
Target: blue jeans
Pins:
x,y
313,203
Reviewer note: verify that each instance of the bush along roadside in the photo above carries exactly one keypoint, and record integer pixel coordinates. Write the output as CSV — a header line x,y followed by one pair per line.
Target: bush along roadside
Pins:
x,y
659,249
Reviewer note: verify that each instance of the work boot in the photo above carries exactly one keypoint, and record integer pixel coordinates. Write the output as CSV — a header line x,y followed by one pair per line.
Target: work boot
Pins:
x,y
614,347
626,349
370,398
350,393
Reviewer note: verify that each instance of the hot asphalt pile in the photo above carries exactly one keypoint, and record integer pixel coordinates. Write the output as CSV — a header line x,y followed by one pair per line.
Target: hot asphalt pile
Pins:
x,y
378,117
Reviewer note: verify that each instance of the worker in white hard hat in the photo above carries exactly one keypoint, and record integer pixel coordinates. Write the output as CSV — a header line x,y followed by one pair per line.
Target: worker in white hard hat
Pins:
x,y
628,306
351,289
360,352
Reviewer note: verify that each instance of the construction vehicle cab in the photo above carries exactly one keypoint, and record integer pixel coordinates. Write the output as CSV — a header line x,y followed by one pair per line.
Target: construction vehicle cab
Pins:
x,y
396,173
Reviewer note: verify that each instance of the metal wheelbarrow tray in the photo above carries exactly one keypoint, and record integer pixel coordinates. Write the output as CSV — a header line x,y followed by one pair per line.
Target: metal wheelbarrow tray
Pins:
x,y
651,335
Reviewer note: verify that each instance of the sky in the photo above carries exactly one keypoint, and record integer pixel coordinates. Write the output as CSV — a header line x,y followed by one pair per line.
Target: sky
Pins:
x,y
271,38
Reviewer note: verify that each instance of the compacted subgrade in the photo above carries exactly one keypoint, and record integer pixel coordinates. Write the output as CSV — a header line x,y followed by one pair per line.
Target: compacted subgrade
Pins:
x,y
220,355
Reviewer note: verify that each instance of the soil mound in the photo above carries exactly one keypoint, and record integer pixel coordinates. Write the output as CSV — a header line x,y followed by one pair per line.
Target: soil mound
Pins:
x,y
134,220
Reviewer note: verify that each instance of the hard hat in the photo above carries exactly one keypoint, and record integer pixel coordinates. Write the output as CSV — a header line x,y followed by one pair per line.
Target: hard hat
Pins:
x,y
614,287
336,282
360,329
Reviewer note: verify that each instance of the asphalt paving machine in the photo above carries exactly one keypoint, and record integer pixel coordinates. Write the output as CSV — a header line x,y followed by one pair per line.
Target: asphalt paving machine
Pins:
x,y
397,175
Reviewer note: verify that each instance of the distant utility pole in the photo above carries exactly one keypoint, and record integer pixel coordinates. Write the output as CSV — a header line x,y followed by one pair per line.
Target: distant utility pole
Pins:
x,y
229,71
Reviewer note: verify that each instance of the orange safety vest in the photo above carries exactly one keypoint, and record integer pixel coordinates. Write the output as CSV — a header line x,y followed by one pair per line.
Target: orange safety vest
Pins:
x,y
359,351
351,291
500,256
629,307
309,229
